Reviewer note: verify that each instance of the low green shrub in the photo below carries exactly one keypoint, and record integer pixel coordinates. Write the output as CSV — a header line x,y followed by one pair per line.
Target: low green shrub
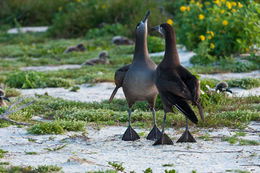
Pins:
x,y
32,79
155,44
26,80
107,30
56,127
246,83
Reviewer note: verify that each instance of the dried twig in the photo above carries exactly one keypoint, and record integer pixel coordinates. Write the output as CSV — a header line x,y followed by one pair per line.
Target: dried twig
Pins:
x,y
8,112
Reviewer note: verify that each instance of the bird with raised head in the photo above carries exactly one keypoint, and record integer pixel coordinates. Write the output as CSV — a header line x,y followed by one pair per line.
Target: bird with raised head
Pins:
x,y
176,85
139,81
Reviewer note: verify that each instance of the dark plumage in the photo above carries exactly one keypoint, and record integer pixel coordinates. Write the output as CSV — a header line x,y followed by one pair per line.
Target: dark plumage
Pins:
x,y
119,78
102,59
222,87
79,48
138,80
2,98
176,85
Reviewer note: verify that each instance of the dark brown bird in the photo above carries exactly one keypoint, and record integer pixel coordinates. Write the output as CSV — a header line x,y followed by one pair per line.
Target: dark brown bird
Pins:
x,y
222,87
2,98
79,48
120,40
138,83
176,85
102,59
119,78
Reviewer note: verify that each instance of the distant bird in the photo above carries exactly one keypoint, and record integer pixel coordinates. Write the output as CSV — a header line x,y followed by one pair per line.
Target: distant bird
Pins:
x,y
119,78
102,59
222,87
79,48
120,40
176,85
138,82
2,98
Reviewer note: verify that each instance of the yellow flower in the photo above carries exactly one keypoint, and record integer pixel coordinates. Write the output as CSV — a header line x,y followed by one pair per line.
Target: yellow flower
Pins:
x,y
60,8
223,1
202,37
209,37
103,6
212,46
234,10
78,0
197,3
188,8
169,21
225,22
247,50
212,33
192,1
234,3
222,11
182,8
201,17
240,5
229,5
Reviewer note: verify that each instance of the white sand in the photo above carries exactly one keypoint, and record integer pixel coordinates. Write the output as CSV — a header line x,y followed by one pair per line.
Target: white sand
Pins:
x,y
87,93
227,76
51,68
28,29
102,146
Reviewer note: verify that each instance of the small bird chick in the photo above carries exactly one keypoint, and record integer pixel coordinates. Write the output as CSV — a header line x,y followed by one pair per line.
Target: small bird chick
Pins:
x,y
2,98
120,40
102,59
79,48
222,87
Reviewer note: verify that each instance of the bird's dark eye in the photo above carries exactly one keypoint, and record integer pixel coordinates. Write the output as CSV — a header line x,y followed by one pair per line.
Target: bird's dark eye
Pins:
x,y
138,24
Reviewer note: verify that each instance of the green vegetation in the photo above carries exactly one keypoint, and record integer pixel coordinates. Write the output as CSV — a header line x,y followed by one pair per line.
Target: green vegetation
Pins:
x,y
2,152
246,83
235,139
56,127
30,169
218,25
168,165
117,166
30,153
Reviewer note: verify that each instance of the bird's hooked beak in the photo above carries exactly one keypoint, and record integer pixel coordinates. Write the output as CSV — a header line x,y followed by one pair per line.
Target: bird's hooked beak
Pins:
x,y
156,28
146,16
228,90
5,98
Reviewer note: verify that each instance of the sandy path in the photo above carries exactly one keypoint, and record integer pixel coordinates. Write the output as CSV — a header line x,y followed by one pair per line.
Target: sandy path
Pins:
x,y
105,145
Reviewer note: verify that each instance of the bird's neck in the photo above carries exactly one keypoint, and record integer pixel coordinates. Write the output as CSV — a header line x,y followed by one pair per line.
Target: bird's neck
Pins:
x,y
171,57
141,50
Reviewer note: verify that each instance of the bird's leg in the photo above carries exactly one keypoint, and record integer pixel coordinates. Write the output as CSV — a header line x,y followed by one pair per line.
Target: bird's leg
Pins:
x,y
155,132
186,136
130,134
164,139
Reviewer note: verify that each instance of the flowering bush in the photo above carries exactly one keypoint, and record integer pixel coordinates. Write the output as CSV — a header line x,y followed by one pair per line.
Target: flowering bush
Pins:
x,y
224,27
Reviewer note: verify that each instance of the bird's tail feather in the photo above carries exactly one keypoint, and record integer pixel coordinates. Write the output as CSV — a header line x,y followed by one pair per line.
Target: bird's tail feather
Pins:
x,y
113,94
185,108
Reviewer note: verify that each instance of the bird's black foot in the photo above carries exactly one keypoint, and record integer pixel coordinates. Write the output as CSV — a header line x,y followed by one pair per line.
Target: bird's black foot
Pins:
x,y
154,134
130,135
166,140
186,137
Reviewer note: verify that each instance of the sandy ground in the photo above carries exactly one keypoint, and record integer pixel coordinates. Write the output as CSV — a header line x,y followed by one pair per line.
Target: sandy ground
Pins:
x,y
87,92
51,68
28,29
102,91
227,76
93,152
